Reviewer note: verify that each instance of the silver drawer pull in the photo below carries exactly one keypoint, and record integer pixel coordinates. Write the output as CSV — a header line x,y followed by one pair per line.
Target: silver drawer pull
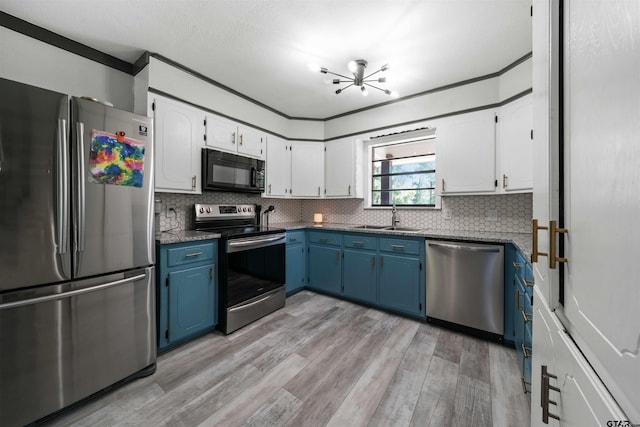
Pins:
x,y
293,239
526,316
323,239
526,351
355,242
527,283
194,254
517,264
524,385
397,246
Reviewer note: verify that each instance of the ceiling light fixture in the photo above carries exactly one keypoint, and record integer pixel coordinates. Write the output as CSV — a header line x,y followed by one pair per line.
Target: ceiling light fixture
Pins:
x,y
357,68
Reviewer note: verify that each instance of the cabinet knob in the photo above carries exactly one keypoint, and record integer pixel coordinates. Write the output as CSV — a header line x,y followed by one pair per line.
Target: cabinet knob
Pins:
x,y
240,139
233,138
193,182
504,181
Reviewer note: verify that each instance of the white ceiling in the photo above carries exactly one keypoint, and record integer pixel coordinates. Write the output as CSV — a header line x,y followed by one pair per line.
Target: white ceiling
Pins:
x,y
261,48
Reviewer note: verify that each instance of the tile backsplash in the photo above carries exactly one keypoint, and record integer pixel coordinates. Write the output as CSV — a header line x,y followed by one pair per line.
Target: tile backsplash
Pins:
x,y
503,213
509,213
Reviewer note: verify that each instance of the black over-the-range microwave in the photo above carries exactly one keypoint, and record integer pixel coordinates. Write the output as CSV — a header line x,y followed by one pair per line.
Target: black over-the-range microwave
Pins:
x,y
230,172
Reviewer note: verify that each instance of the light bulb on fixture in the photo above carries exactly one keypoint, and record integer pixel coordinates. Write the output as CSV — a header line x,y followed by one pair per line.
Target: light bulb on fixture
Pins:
x,y
358,78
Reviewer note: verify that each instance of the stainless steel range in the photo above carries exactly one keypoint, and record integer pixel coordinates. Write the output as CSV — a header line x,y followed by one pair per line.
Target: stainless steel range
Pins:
x,y
251,263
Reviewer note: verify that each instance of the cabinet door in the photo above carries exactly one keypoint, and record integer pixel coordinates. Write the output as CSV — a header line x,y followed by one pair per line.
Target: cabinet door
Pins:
x,y
399,287
515,145
252,142
325,268
222,134
278,165
191,301
339,164
583,400
307,169
509,291
179,135
295,267
359,275
466,150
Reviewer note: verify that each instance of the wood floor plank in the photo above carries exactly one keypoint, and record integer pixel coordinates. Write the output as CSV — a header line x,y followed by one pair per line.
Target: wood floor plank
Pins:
x,y
400,399
509,405
472,403
474,359
327,395
246,403
362,401
449,346
276,412
435,405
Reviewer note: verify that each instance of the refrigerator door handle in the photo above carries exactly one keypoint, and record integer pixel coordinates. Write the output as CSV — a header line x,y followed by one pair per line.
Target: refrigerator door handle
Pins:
x,y
81,212
62,169
68,294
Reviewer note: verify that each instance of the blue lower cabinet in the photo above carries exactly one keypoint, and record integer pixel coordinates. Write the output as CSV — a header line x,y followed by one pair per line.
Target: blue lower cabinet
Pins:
x,y
360,275
186,291
192,301
519,323
509,292
295,268
325,269
399,286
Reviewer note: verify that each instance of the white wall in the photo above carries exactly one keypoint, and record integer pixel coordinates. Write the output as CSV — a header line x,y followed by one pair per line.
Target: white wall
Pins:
x,y
27,60
516,80
183,85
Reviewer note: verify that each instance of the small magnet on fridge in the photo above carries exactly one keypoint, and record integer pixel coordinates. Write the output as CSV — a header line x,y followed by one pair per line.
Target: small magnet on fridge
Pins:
x,y
120,134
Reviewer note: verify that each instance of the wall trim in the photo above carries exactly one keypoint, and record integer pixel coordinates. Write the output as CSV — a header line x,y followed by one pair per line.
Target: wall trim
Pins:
x,y
438,116
54,39
28,29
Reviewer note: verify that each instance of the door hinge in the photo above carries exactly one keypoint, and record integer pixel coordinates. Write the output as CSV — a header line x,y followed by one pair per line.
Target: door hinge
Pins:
x,y
420,266
166,334
531,11
531,133
325,149
153,106
420,307
495,183
205,136
205,121
496,118
167,282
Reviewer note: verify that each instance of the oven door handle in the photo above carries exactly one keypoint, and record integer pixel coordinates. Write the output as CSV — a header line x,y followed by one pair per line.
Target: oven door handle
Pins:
x,y
238,245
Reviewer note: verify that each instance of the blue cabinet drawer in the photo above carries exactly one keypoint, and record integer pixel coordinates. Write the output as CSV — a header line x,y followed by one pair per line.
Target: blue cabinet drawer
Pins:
x,y
190,254
358,241
519,264
295,237
400,246
325,238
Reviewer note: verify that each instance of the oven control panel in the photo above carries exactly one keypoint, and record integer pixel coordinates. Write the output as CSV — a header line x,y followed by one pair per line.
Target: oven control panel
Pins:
x,y
224,211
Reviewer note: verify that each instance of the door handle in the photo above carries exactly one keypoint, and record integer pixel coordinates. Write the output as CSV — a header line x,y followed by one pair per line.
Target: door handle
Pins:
x,y
553,231
544,395
233,137
81,189
504,181
535,252
62,169
241,139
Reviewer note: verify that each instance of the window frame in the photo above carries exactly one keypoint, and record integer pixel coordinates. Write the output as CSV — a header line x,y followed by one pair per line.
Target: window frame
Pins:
x,y
368,171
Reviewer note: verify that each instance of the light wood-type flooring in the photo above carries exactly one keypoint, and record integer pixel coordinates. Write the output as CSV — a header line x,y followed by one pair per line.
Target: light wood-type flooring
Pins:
x,y
322,361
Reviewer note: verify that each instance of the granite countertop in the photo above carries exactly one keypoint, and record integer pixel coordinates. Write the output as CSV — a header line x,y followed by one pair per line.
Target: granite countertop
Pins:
x,y
178,236
521,240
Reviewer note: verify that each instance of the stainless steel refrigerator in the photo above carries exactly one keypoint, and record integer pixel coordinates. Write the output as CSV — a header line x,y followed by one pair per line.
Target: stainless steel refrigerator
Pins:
x,y
77,296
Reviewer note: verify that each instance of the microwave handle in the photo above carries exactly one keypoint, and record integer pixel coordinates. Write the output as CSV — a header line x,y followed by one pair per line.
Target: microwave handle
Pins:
x,y
254,177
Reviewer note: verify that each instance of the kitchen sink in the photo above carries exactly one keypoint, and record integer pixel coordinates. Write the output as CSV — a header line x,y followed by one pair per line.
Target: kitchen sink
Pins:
x,y
386,227
372,227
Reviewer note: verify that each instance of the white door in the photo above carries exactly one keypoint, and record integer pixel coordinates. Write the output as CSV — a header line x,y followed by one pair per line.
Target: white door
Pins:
x,y
602,190
252,142
278,179
307,169
222,134
466,146
179,135
339,164
516,146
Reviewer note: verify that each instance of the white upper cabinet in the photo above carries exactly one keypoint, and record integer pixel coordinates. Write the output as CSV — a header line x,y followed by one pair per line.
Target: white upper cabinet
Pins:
x,y
515,146
226,135
307,169
179,136
343,168
278,165
466,153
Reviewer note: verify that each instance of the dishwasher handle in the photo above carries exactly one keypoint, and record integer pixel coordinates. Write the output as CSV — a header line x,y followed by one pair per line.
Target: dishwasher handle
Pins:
x,y
465,248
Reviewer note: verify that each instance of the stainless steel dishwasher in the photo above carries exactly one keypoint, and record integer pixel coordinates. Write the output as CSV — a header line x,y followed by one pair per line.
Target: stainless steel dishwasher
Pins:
x,y
465,285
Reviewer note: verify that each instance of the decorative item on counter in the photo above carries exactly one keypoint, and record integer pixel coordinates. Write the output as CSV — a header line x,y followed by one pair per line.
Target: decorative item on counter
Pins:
x,y
317,218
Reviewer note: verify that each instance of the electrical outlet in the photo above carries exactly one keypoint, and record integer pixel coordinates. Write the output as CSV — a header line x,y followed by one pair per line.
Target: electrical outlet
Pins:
x,y
170,210
492,215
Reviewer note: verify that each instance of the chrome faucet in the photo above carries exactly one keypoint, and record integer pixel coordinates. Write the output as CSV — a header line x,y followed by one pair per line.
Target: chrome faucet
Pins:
x,y
394,216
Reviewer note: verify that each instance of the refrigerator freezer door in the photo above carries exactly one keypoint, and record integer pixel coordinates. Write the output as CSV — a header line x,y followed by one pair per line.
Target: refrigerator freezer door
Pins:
x,y
113,218
34,188
69,341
